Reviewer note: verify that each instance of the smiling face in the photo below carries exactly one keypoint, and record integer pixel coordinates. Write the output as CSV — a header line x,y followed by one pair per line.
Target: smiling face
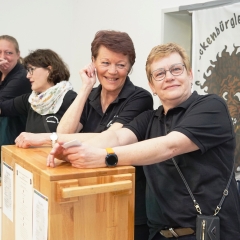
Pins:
x,y
112,69
8,52
172,90
38,78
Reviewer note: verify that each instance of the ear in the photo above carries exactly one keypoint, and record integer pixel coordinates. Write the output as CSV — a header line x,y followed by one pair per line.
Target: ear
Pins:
x,y
49,68
152,87
93,59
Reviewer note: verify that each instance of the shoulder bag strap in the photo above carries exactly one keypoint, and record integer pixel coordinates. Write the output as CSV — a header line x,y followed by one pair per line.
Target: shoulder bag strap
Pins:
x,y
196,205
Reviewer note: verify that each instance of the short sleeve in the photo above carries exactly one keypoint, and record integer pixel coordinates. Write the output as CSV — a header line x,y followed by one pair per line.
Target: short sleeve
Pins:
x,y
140,102
207,123
140,124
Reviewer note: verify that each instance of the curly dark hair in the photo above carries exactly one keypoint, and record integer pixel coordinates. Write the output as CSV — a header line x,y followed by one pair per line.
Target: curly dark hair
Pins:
x,y
118,42
46,58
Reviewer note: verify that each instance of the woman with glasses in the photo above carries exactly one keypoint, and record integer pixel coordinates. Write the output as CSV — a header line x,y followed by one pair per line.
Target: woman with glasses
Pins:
x,y
13,83
195,132
114,102
51,93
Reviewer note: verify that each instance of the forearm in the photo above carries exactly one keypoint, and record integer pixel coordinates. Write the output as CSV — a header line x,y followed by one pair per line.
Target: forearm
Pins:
x,y
82,137
70,120
141,153
146,152
155,150
112,138
44,138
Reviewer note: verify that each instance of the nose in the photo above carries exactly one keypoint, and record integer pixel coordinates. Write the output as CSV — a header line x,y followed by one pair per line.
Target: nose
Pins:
x,y
28,75
112,69
168,74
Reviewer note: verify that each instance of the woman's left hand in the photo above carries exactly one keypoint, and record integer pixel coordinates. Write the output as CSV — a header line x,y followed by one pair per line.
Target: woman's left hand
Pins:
x,y
83,156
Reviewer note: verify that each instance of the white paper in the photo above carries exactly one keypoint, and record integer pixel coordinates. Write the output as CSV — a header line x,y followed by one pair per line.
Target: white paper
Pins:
x,y
72,143
40,216
23,203
7,190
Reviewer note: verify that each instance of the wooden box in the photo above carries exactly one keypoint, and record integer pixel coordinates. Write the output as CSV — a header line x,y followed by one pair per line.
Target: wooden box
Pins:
x,y
83,204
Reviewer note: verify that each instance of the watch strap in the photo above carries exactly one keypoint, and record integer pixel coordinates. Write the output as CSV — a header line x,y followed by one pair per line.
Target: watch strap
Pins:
x,y
109,150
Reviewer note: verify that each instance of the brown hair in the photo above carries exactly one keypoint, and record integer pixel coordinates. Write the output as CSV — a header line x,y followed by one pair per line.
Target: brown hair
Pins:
x,y
44,58
118,42
165,50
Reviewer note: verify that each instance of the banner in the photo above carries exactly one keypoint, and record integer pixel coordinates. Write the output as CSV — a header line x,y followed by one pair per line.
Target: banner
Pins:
x,y
216,58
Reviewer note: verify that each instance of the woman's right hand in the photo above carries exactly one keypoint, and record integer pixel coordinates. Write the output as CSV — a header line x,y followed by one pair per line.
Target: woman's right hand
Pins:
x,y
88,75
3,64
26,139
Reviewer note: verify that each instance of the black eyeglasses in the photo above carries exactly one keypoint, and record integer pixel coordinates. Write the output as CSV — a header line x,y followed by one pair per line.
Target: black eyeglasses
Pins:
x,y
30,70
160,73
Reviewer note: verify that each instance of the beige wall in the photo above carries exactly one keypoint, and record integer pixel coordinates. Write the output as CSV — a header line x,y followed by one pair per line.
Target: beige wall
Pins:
x,y
68,27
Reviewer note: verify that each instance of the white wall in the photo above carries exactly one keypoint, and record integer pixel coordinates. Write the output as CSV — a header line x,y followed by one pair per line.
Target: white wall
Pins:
x,y
68,27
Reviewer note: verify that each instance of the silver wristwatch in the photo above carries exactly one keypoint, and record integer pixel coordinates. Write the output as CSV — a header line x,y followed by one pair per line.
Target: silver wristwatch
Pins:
x,y
53,138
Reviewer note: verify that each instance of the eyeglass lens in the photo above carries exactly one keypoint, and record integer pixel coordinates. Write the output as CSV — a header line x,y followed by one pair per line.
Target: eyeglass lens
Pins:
x,y
30,70
175,70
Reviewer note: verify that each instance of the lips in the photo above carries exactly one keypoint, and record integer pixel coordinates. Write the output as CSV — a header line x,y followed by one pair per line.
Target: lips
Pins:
x,y
172,86
111,79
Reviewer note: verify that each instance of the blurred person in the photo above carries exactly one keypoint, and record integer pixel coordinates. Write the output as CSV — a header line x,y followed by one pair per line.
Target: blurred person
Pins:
x,y
13,83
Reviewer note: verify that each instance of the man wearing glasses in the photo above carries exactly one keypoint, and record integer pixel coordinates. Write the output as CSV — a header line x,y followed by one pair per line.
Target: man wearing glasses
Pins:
x,y
195,130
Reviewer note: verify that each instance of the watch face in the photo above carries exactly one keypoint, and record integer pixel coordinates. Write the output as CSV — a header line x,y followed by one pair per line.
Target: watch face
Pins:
x,y
111,160
53,136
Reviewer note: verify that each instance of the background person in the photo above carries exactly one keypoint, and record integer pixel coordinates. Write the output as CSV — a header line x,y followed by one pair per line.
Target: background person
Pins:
x,y
51,93
196,130
13,82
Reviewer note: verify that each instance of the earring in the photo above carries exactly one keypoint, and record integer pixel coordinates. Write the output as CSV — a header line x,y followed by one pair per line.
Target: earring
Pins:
x,y
154,94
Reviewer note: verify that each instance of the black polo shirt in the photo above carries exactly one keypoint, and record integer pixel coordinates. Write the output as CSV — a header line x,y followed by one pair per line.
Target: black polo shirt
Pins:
x,y
131,101
206,121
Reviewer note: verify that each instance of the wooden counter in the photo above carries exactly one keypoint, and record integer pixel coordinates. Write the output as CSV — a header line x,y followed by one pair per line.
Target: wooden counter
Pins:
x,y
83,204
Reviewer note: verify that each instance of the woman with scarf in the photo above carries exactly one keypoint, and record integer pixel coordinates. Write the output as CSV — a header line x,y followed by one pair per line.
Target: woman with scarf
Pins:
x,y
51,95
